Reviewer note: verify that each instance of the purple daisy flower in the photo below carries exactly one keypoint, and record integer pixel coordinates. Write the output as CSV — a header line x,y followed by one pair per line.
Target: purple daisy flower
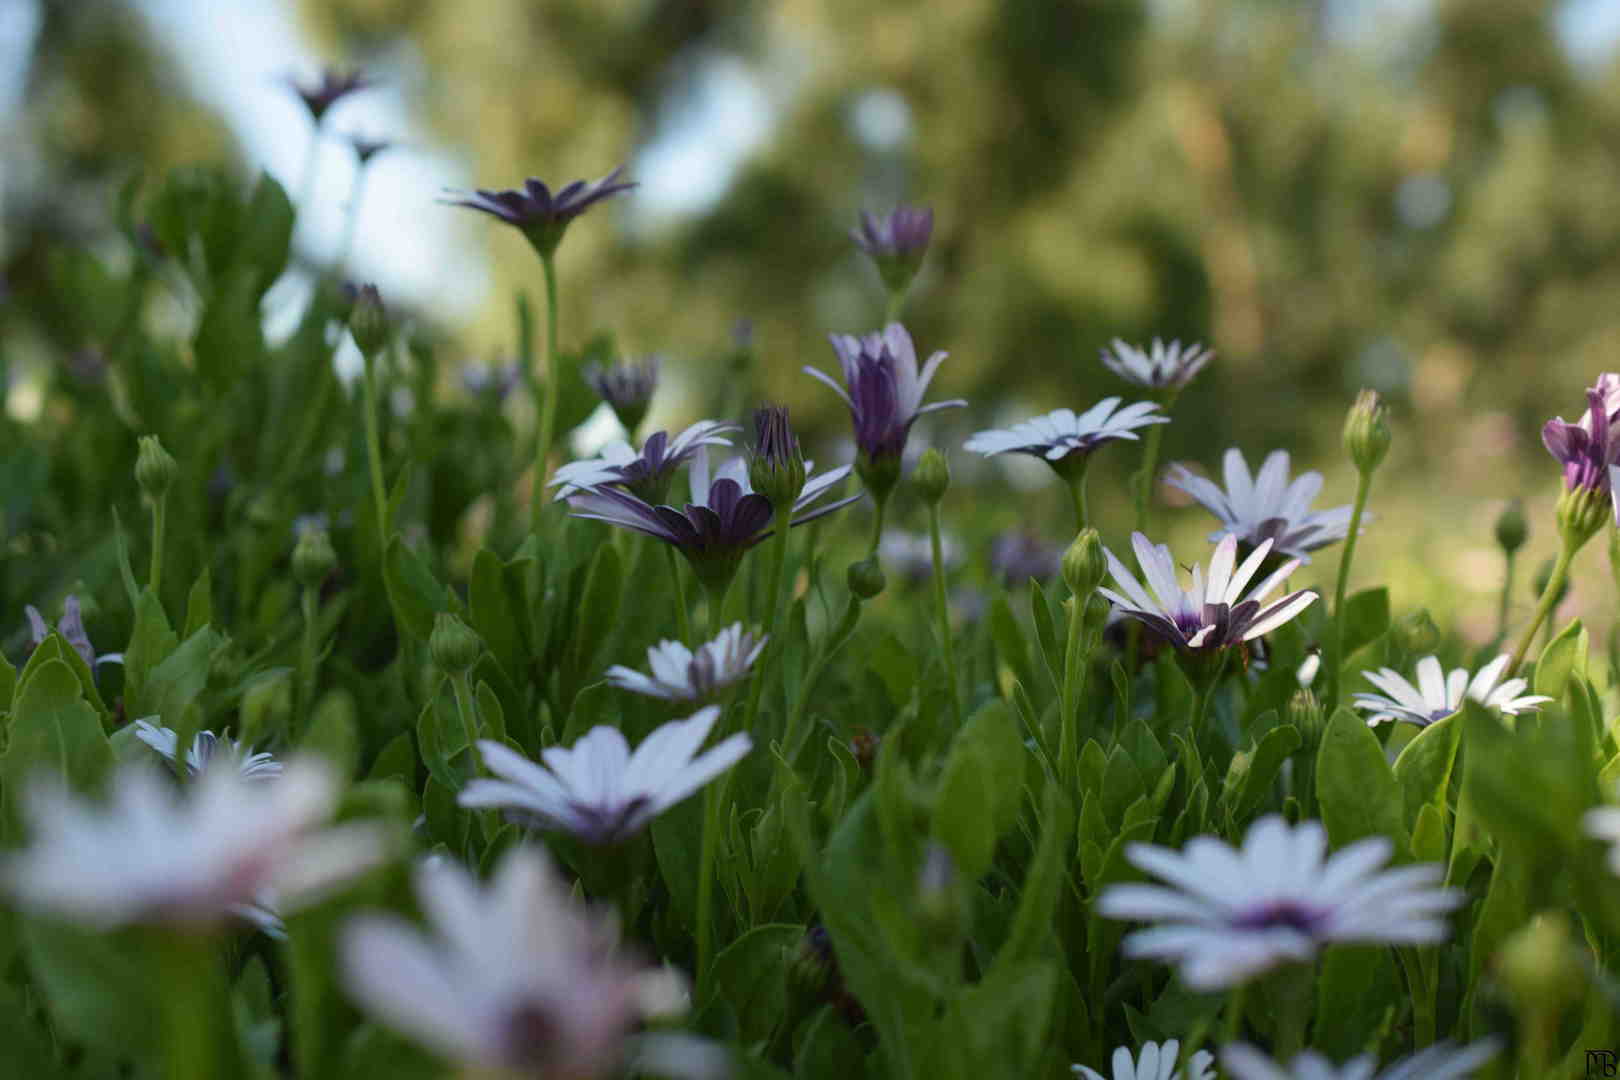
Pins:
x,y
725,518
1589,449
332,88
646,474
884,394
539,213
896,242
627,387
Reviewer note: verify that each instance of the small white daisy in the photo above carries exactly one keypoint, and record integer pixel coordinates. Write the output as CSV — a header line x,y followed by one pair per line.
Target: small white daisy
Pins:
x,y
1063,434
1160,366
1204,616
1155,1062
1442,1061
599,790
1438,695
679,674
205,747
1230,913
158,854
1267,506
516,975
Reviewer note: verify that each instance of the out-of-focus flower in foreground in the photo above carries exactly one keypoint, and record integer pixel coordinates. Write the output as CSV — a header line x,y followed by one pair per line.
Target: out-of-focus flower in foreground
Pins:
x,y
1158,367
1266,506
1155,1062
1437,694
1442,1061
539,213
680,674
334,86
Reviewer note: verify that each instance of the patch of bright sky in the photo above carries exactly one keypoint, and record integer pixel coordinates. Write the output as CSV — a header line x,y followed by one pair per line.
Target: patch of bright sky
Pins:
x,y
1589,30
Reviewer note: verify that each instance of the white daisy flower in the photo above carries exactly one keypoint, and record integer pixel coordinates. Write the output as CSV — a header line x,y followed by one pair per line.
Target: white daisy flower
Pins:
x,y
1266,506
1438,695
1062,434
205,747
515,976
1155,1062
679,674
599,790
1204,616
159,854
1442,1061
1160,366
1231,914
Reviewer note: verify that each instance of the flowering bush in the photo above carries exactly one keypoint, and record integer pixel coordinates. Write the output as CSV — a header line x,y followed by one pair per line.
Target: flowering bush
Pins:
x,y
336,755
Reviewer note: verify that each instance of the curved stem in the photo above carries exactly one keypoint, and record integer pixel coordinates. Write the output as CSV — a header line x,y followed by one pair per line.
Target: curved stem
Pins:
x,y
942,609
547,405
154,577
379,490
1363,485
683,617
1549,600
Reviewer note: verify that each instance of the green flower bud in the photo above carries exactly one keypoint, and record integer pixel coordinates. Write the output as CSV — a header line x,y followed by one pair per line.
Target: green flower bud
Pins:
x,y
932,476
1366,432
154,467
1512,530
1307,716
1085,566
1540,965
1416,633
776,466
866,578
1581,513
368,321
453,644
313,558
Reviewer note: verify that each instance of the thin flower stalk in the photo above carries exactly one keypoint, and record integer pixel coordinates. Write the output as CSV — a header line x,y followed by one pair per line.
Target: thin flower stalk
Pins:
x,y
942,611
546,404
1550,596
1336,669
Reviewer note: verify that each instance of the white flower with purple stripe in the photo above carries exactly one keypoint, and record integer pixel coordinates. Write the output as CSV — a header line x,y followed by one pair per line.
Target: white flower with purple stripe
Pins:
x,y
1437,695
1266,506
647,473
1064,434
1160,366
680,674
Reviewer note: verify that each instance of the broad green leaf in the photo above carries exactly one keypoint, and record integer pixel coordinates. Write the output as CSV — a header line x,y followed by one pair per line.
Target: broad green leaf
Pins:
x,y
1356,786
493,613
981,787
1424,767
1032,930
1564,656
54,732
829,1048
1366,616
332,731
199,604
414,593
97,987
1253,772
752,975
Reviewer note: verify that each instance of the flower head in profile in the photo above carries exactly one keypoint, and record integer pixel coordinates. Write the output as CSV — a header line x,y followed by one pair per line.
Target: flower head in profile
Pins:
x,y
1442,1061
598,790
896,242
627,386
1016,555
647,473
1437,695
1228,914
334,86
157,854
1589,451
725,518
515,975
883,388
1158,367
493,381
679,674
539,213
1065,439
776,467
207,747
1205,616
1155,1062
71,627
1266,506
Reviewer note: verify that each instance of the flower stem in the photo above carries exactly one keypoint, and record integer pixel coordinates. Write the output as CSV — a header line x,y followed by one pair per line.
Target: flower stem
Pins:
x,y
547,403
683,617
942,609
714,606
154,577
1150,466
1507,592
1074,680
880,504
705,896
1077,491
306,653
379,490
1363,485
776,609
825,650
1234,1016
896,303
469,718
199,1037
1549,599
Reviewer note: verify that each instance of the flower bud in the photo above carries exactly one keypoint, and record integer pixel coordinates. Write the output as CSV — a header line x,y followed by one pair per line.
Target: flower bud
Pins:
x,y
154,467
1540,966
1085,566
1581,513
1366,432
866,578
932,476
1512,530
453,644
1416,633
1307,716
313,558
776,466
368,321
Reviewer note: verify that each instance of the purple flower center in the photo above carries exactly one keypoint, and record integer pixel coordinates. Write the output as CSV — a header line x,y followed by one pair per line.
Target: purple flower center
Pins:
x,y
605,824
874,394
1281,914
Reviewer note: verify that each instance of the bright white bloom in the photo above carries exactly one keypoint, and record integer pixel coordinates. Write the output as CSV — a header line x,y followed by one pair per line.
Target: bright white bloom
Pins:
x,y
1438,695
646,472
158,854
203,749
1159,366
1230,914
515,976
599,790
1063,433
1267,506
1154,1063
679,674
1442,1061
1204,616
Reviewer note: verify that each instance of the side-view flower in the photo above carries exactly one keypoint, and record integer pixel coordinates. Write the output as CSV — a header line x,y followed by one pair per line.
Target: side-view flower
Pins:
x,y
205,748
1442,1061
1437,695
1158,367
1266,506
681,674
646,474
1154,1062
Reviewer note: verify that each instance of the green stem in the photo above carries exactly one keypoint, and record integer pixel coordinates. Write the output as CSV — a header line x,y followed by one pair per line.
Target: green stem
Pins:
x,y
683,617
199,1037
880,504
547,404
1150,466
379,490
1234,1016
942,609
1544,607
1507,592
714,606
1074,681
1077,491
825,650
705,896
469,718
777,608
1363,485
896,304
310,603
154,577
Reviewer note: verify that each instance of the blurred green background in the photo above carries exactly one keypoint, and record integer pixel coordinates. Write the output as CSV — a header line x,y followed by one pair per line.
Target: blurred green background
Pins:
x,y
1421,196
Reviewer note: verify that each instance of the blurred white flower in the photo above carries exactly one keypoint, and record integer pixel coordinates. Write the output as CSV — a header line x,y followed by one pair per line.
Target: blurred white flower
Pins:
x,y
1061,433
1233,913
599,790
1267,506
516,976
1305,674
679,674
159,854
205,747
1155,1062
1158,366
1438,695
1442,1061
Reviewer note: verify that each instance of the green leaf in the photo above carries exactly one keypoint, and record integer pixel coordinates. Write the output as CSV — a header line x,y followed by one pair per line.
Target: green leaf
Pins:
x,y
1424,767
397,758
98,987
1356,786
1366,617
333,732
595,615
828,1048
8,684
1358,983
981,787
178,680
1564,656
1009,639
493,613
53,732
413,591
199,603
1032,931
1122,785
1253,772
1046,635
751,975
